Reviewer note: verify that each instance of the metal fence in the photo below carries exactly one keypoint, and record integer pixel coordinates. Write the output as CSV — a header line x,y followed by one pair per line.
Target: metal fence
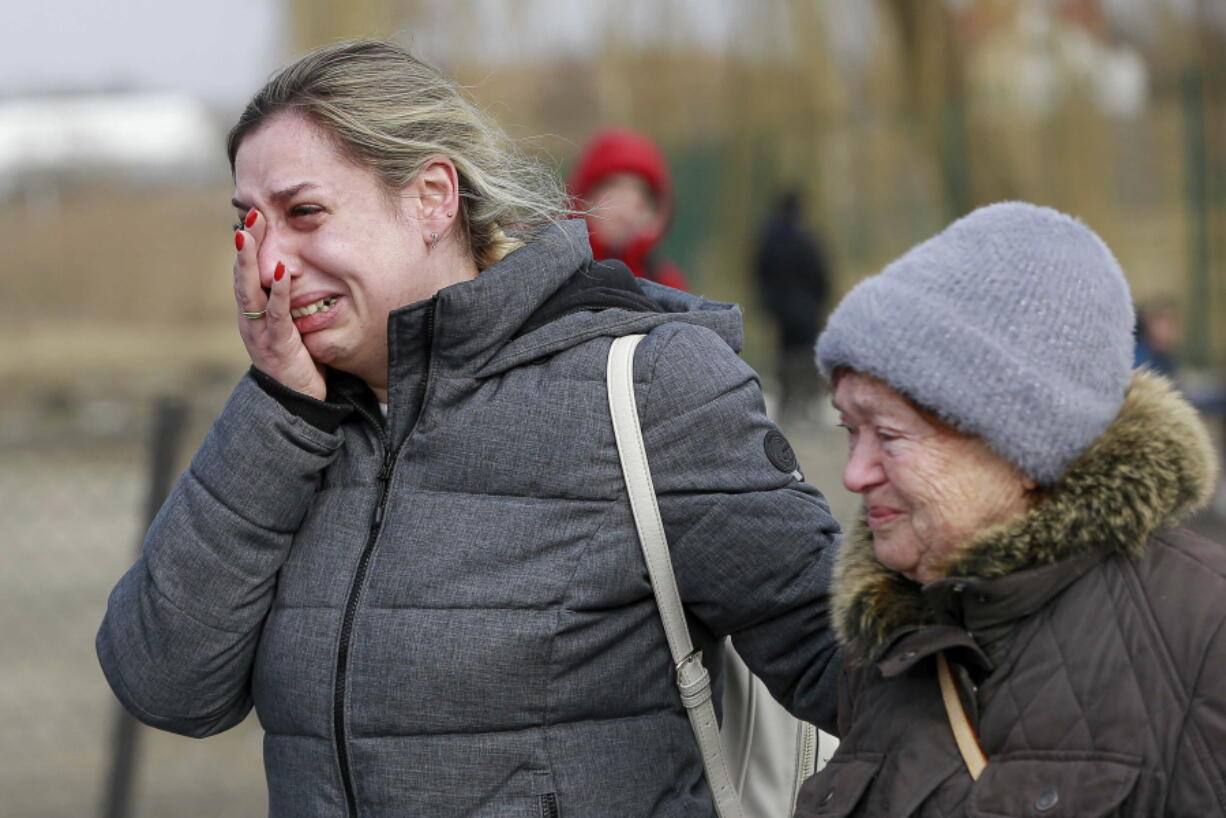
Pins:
x,y
77,480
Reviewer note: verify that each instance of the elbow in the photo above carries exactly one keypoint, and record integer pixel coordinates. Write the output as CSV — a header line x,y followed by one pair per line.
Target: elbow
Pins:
x,y
165,704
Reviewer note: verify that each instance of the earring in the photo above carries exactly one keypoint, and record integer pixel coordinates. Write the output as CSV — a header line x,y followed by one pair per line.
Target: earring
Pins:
x,y
433,238
449,214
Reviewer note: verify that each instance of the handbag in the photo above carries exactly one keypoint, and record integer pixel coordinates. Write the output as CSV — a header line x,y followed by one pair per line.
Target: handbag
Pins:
x,y
756,763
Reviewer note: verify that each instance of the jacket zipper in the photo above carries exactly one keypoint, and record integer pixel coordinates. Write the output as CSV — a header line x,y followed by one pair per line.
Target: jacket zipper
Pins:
x,y
384,477
342,658
807,758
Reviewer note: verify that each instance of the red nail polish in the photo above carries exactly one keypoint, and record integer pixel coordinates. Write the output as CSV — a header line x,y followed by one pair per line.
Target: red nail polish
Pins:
x,y
251,215
239,238
278,273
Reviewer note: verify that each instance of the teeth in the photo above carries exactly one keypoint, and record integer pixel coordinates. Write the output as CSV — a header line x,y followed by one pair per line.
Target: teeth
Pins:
x,y
322,305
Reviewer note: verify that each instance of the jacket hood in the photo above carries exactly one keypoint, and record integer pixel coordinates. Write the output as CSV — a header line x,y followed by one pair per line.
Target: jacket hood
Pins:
x,y
494,322
1152,467
601,285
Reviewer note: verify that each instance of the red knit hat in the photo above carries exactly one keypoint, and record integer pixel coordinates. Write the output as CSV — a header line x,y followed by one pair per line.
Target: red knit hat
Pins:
x,y
621,150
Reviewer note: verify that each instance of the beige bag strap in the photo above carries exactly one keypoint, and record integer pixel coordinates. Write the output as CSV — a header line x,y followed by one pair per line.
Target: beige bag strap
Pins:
x,y
964,733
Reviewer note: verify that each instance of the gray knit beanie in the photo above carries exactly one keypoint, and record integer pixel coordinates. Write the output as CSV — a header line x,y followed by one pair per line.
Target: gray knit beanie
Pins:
x,y
1013,324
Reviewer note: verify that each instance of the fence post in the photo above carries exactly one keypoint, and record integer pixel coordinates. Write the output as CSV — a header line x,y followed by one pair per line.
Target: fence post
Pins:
x,y
169,420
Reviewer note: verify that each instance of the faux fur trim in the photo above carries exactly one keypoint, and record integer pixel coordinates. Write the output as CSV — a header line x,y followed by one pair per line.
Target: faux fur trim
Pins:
x,y
1152,467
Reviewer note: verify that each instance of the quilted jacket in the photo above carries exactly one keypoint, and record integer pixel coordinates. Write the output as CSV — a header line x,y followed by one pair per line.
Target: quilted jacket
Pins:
x,y
447,612
1087,639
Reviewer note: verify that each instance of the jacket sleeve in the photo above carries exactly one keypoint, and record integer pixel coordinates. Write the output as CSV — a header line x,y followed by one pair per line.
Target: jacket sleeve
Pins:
x,y
752,543
181,626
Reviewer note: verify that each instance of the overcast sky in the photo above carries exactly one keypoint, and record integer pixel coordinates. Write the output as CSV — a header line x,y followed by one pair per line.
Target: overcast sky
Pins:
x,y
220,50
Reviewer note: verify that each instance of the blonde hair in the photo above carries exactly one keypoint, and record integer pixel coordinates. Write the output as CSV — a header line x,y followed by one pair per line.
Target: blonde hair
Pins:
x,y
390,112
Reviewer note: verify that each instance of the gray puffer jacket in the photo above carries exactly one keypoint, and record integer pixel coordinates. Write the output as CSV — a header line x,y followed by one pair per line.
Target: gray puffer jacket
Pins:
x,y
447,612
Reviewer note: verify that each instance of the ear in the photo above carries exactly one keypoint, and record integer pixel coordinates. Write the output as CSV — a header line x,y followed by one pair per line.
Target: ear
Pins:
x,y
433,197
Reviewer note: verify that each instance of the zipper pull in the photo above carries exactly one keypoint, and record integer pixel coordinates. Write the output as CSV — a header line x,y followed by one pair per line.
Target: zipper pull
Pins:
x,y
385,471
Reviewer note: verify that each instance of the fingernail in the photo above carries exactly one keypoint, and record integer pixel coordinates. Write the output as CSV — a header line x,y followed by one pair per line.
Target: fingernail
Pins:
x,y
278,273
251,215
239,238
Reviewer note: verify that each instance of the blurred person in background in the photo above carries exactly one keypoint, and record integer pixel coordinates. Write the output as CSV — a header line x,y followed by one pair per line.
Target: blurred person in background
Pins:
x,y
1157,336
406,540
1018,580
793,283
622,186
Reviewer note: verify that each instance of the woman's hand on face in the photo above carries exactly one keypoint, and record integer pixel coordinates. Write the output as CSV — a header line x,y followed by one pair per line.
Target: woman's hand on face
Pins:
x,y
272,341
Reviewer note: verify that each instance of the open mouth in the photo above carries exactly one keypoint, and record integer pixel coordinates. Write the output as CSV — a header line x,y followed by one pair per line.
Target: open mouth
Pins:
x,y
322,305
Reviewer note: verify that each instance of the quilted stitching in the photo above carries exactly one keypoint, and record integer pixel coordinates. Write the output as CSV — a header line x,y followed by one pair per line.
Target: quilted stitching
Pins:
x,y
1043,706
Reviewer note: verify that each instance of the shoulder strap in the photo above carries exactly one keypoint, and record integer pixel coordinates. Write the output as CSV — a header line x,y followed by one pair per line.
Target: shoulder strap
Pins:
x,y
964,733
692,679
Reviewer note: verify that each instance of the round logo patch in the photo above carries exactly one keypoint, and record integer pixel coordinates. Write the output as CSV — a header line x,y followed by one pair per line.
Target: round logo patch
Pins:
x,y
779,451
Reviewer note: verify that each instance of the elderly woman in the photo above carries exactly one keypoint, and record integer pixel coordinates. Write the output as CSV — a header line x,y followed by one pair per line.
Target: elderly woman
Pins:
x,y
406,540
1016,594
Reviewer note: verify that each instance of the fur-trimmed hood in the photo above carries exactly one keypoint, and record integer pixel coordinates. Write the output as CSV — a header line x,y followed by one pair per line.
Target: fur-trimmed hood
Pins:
x,y
1152,467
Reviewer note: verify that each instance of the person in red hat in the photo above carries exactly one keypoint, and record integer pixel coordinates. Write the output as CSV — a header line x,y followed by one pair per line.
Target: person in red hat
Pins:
x,y
621,185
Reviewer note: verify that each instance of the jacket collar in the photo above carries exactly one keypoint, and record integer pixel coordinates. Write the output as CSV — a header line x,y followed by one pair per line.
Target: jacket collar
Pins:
x,y
1152,466
469,322
488,325
600,285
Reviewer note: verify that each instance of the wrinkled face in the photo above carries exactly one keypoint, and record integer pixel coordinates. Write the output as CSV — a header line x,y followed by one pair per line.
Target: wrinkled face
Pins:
x,y
346,247
623,209
927,488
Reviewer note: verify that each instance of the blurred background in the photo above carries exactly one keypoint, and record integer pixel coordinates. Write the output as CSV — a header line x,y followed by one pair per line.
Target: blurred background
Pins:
x,y
892,117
